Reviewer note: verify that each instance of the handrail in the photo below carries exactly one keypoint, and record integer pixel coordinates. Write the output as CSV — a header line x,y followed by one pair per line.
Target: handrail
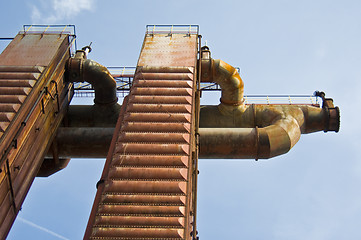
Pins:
x,y
122,72
282,99
59,29
172,29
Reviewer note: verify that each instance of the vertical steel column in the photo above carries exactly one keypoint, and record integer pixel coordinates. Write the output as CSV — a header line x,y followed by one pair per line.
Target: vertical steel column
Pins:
x,y
33,100
146,190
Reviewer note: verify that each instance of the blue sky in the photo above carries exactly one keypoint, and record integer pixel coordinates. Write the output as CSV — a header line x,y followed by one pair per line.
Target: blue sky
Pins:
x,y
282,47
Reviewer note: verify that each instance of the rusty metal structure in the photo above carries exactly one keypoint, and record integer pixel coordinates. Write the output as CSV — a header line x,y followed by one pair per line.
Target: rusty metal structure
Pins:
x,y
151,142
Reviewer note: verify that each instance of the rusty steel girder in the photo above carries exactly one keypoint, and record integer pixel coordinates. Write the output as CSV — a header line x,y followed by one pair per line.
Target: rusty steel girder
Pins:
x,y
33,100
146,190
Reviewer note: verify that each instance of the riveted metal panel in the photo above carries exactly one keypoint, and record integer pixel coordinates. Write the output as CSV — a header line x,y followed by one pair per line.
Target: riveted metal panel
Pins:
x,y
31,50
168,50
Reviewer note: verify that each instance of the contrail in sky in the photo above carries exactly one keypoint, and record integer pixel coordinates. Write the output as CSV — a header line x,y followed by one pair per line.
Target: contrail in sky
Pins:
x,y
42,228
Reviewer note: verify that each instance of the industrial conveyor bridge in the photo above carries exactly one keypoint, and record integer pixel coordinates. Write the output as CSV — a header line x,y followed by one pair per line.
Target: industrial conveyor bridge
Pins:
x,y
151,142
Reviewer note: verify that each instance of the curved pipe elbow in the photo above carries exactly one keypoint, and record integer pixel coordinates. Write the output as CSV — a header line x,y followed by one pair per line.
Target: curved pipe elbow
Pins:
x,y
228,79
80,70
248,143
103,83
231,83
278,139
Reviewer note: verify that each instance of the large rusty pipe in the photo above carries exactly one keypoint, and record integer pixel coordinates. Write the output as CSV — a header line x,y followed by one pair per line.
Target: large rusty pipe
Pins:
x,y
315,118
229,130
277,130
80,69
96,115
219,138
268,130
247,143
89,142
265,130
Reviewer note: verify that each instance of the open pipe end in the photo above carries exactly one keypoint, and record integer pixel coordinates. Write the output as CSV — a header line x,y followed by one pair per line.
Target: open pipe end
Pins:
x,y
333,122
333,113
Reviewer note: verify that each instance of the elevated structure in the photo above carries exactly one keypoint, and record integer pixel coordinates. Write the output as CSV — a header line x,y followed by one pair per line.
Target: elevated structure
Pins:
x,y
33,101
149,182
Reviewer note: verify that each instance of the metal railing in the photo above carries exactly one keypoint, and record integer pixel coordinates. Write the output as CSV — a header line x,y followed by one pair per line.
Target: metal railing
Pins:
x,y
49,29
122,72
282,99
172,29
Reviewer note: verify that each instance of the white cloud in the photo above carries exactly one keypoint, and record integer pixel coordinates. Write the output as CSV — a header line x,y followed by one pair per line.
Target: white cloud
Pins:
x,y
54,11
